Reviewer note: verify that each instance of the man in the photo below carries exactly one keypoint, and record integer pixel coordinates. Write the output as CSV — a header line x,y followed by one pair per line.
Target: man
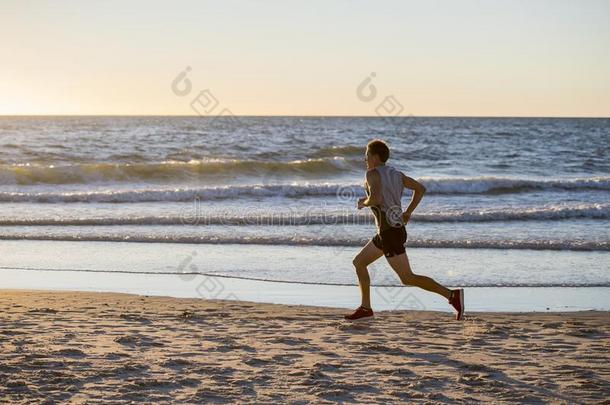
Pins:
x,y
384,186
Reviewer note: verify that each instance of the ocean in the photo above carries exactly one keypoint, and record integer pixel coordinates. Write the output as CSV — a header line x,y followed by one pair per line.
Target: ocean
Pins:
x,y
510,202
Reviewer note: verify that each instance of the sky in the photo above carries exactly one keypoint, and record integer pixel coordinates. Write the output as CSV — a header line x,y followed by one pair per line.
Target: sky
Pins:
x,y
423,58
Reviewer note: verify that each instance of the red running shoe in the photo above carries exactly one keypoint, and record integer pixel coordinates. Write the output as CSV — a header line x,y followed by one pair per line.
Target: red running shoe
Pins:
x,y
457,301
360,314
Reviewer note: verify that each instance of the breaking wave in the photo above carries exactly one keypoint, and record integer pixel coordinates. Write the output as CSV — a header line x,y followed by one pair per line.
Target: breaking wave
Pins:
x,y
165,171
447,186
321,240
192,217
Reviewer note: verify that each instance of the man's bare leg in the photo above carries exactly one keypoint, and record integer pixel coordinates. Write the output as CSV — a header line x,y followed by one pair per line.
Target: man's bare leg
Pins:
x,y
367,255
401,266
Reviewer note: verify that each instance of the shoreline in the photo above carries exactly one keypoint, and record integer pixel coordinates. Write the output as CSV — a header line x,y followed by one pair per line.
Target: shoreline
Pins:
x,y
477,299
94,347
205,271
341,310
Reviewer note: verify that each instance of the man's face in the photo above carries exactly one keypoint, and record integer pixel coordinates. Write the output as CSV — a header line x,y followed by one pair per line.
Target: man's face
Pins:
x,y
369,159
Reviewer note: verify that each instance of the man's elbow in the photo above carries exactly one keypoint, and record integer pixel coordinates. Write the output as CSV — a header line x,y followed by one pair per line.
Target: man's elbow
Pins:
x,y
374,201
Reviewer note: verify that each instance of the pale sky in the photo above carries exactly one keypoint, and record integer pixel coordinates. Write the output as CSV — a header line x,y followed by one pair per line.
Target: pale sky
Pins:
x,y
439,58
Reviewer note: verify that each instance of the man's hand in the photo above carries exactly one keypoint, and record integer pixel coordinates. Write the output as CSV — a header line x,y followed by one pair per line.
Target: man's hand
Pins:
x,y
405,217
361,203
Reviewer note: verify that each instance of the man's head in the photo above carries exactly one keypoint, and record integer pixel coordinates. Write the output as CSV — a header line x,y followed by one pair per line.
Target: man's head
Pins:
x,y
377,153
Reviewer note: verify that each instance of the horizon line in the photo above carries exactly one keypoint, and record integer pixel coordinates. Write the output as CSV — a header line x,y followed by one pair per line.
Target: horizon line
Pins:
x,y
301,116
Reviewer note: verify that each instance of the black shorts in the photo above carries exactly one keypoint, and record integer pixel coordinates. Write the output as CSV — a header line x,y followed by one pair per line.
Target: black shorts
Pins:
x,y
391,241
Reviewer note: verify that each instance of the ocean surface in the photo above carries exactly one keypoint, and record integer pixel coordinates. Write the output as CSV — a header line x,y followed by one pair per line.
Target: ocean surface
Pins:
x,y
510,202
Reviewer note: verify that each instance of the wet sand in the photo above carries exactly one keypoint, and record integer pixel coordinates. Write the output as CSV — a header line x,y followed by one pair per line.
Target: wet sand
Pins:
x,y
82,347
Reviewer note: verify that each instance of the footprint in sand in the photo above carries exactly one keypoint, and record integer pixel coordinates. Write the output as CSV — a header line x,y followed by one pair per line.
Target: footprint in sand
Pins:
x,y
188,382
285,359
552,325
17,386
225,348
215,370
334,394
135,318
374,348
585,332
329,354
177,363
116,355
42,311
318,378
396,372
354,327
327,366
291,341
138,341
256,362
130,368
70,353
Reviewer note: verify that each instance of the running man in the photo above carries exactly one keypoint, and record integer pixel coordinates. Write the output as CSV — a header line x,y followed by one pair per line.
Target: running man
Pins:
x,y
384,186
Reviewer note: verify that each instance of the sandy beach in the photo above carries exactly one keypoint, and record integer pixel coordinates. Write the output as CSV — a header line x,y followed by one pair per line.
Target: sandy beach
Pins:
x,y
81,347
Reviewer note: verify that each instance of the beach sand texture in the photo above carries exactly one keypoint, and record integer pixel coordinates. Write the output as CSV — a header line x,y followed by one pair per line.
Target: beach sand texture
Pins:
x,y
80,347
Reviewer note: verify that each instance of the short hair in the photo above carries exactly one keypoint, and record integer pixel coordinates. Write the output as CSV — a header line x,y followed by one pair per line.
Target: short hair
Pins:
x,y
379,148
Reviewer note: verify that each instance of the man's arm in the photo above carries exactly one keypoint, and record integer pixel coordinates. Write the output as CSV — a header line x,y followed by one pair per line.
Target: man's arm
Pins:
x,y
418,193
374,182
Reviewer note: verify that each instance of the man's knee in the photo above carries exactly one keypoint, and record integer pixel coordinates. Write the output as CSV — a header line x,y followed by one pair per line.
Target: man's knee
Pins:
x,y
358,263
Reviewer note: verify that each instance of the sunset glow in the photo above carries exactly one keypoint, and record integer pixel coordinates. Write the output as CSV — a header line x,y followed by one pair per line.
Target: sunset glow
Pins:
x,y
520,58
